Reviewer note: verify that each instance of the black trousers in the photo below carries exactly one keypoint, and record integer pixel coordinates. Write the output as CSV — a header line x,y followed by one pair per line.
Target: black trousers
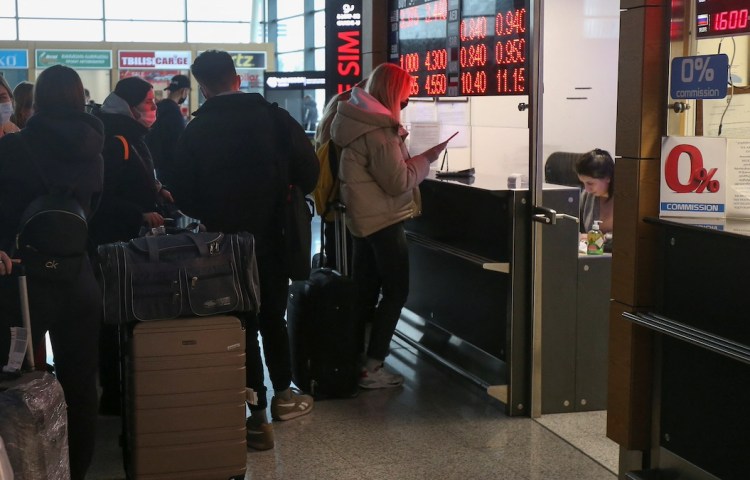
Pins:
x,y
71,313
381,271
270,322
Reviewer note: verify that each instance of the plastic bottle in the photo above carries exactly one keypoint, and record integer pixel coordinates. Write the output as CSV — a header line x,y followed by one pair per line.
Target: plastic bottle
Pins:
x,y
595,240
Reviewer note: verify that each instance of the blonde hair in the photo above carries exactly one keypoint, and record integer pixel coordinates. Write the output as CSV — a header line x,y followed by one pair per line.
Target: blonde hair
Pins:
x,y
389,83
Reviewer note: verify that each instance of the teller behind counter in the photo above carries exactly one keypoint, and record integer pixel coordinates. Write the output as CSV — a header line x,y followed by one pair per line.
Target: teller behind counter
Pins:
x,y
596,172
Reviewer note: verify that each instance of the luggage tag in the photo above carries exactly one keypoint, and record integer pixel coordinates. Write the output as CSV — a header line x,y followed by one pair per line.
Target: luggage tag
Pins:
x,y
19,339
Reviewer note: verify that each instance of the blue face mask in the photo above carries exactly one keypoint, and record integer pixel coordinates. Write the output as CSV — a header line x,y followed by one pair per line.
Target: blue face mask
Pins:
x,y
6,110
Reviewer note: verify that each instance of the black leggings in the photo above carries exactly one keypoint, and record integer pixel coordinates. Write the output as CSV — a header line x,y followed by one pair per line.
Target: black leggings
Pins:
x,y
381,271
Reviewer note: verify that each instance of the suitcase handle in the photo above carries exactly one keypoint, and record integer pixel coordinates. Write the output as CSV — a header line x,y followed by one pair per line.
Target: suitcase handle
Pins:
x,y
24,293
19,271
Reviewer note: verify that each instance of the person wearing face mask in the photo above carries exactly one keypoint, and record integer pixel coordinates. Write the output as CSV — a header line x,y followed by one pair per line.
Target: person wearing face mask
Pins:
x,y
379,186
129,198
170,123
6,108
23,96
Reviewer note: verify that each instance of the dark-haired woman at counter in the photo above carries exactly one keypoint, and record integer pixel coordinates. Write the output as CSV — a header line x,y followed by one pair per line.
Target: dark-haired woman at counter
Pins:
x,y
596,171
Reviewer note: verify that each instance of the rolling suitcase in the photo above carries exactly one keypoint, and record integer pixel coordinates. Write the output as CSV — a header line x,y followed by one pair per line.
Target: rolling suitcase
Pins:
x,y
33,412
184,399
324,334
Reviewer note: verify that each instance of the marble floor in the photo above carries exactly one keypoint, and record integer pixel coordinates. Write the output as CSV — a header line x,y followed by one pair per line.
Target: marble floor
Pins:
x,y
437,426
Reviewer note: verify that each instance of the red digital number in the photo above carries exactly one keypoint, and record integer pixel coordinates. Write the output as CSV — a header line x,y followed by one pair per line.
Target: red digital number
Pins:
x,y
519,80
473,56
730,20
410,62
414,85
510,52
474,28
515,83
436,84
436,11
510,23
474,83
436,60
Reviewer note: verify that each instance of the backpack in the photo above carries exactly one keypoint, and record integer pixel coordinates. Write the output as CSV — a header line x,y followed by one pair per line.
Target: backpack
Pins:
x,y
52,236
326,191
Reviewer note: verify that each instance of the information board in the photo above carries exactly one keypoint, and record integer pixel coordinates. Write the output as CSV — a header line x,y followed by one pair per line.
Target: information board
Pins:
x,y
462,47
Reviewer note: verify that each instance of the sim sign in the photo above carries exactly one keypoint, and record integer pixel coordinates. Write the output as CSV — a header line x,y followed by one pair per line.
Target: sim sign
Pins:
x,y
700,76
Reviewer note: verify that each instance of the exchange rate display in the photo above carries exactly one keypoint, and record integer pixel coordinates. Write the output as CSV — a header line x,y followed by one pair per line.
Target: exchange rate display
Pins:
x,y
722,18
462,47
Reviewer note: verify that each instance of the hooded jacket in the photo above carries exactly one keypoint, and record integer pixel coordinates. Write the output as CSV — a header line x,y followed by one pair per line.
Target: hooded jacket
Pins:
x,y
130,188
378,177
66,147
231,158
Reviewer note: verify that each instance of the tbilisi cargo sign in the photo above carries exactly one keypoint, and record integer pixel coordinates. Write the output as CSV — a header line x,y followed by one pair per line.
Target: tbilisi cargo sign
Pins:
x,y
150,60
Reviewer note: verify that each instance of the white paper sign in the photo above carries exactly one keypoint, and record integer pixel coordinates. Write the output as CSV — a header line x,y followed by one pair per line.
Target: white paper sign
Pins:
x,y
693,177
738,178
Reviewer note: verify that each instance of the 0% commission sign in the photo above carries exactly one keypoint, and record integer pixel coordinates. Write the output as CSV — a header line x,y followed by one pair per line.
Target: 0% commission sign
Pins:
x,y
693,176
700,76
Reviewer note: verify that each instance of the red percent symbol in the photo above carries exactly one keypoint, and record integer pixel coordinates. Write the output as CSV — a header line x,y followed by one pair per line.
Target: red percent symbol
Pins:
x,y
700,178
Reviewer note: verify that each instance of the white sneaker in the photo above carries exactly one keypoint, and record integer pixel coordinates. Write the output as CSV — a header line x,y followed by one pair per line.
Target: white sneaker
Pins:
x,y
379,378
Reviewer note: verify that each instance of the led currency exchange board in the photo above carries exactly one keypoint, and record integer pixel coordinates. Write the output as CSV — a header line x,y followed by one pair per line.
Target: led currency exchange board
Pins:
x,y
462,47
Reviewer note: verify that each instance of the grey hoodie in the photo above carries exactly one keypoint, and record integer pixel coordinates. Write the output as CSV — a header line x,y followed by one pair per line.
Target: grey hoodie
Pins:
x,y
378,177
115,104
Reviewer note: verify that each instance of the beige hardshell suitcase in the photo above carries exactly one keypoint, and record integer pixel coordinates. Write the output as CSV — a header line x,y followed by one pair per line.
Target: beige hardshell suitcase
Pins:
x,y
184,394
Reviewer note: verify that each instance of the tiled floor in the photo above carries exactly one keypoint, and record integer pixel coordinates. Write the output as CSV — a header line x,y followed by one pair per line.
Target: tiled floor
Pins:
x,y
435,427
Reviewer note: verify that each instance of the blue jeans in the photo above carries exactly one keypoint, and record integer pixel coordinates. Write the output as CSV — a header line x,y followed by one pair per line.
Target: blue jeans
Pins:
x,y
380,268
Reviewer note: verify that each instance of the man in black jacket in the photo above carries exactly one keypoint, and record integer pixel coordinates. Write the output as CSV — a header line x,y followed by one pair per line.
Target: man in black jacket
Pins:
x,y
170,123
230,163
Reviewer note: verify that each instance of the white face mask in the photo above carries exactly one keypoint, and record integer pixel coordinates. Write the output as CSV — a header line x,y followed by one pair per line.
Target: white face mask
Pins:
x,y
6,110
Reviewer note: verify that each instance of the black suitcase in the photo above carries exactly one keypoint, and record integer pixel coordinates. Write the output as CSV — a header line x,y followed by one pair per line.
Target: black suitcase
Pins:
x,y
324,334
33,412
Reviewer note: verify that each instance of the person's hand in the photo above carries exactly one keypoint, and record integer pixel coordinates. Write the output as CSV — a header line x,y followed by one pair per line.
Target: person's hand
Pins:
x,y
166,195
153,219
433,153
6,263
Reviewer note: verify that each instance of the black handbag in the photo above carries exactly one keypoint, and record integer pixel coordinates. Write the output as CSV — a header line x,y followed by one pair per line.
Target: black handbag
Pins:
x,y
297,233
186,274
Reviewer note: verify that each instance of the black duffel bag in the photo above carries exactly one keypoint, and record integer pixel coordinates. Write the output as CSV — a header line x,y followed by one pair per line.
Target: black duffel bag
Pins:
x,y
186,274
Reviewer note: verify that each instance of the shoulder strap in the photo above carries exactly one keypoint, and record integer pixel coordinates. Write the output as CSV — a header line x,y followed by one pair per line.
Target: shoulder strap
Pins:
x,y
333,165
125,146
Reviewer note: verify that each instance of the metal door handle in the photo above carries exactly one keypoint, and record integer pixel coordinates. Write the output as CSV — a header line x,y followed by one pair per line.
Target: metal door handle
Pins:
x,y
549,216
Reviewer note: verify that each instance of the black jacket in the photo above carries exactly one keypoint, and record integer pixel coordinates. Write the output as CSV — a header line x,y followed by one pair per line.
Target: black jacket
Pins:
x,y
230,161
162,138
66,147
129,185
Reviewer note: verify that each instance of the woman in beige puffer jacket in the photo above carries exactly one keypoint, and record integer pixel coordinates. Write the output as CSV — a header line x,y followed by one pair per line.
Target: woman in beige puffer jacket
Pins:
x,y
379,186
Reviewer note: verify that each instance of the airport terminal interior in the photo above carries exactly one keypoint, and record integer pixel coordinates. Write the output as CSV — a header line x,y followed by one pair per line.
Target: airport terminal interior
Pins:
x,y
524,357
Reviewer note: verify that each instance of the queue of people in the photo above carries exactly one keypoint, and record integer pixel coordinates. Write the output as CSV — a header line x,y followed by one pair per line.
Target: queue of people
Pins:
x,y
224,168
